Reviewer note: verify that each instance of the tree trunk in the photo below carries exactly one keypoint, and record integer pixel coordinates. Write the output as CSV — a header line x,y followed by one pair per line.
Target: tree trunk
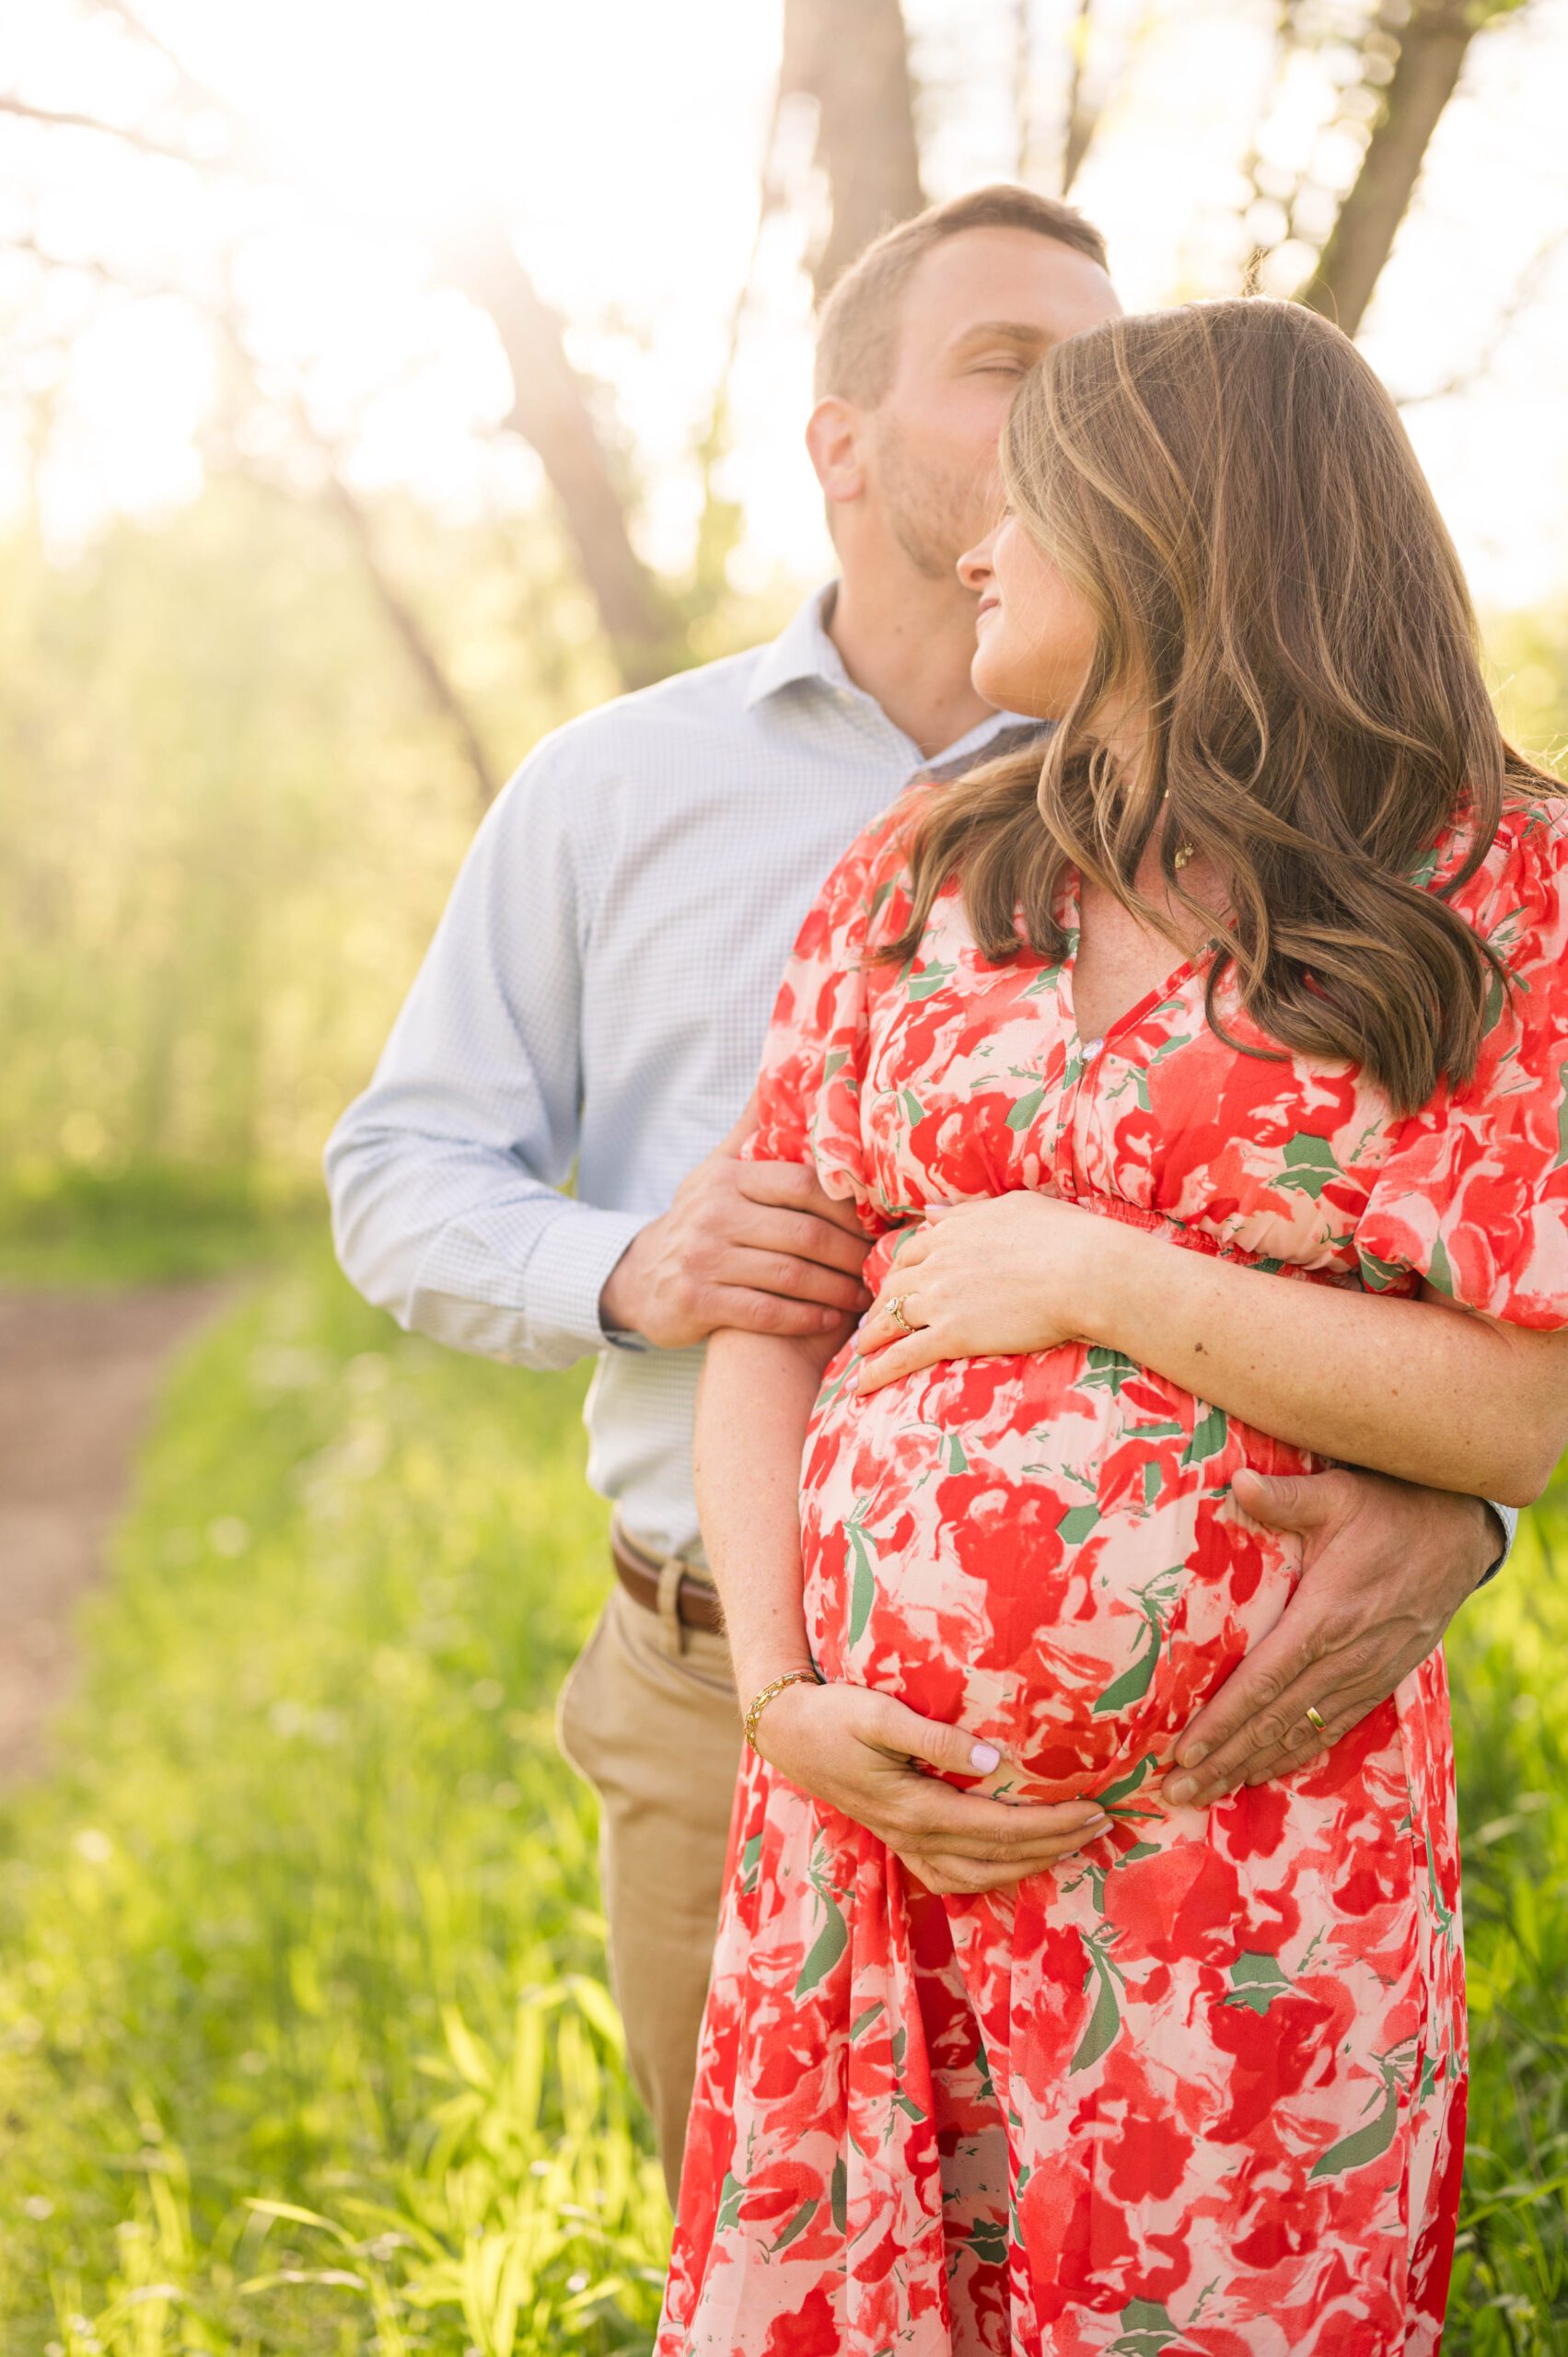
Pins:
x,y
550,410
1083,115
852,56
1432,54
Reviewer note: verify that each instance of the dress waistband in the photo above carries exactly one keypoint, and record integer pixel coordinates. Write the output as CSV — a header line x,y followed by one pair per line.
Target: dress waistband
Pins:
x,y
1179,1233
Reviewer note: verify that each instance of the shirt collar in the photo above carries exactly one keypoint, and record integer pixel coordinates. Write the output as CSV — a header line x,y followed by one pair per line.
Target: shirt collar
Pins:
x,y
803,650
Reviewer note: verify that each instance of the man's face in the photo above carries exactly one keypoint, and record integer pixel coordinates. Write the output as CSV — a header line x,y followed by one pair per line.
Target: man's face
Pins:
x,y
979,310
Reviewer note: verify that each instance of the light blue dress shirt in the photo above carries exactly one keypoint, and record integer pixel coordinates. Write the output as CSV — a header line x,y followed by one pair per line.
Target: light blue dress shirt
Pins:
x,y
592,1009
595,1000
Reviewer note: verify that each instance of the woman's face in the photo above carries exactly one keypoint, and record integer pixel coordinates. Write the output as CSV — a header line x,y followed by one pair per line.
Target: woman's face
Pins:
x,y
1036,633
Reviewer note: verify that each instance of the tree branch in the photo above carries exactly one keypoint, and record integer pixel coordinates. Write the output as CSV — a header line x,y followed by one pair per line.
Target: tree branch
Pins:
x,y
353,516
64,121
1431,55
549,411
1526,286
1082,116
852,56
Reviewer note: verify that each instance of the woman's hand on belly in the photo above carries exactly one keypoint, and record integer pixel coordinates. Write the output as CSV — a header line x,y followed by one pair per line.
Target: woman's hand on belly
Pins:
x,y
861,1752
982,1280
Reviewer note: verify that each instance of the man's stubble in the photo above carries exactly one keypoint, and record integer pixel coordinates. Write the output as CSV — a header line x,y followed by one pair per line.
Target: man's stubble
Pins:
x,y
933,511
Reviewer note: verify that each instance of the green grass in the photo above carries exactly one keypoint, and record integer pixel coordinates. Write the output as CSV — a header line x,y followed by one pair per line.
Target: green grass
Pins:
x,y
308,1913
149,1225
303,2042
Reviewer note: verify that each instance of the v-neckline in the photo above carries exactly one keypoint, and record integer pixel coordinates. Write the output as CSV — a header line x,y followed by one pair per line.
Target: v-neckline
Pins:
x,y
1071,919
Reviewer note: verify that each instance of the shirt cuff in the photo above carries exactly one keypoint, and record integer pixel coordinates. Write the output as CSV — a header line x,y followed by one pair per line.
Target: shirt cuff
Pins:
x,y
1509,1517
568,1269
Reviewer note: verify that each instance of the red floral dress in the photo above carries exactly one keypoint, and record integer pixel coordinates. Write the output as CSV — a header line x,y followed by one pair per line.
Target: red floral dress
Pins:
x,y
1200,2088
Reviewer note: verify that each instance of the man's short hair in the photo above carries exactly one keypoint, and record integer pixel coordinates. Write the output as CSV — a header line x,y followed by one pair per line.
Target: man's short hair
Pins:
x,y
857,335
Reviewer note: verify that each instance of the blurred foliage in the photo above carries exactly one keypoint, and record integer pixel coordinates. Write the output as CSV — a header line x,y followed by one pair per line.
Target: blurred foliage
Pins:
x,y
229,816
147,1224
228,820
303,2042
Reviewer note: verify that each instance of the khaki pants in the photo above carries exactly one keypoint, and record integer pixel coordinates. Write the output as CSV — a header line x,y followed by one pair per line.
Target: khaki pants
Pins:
x,y
648,1715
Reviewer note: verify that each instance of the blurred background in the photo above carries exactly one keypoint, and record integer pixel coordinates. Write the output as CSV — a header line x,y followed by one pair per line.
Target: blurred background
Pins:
x,y
379,387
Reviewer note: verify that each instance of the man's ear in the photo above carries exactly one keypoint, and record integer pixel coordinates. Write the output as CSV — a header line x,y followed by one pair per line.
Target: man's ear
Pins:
x,y
835,437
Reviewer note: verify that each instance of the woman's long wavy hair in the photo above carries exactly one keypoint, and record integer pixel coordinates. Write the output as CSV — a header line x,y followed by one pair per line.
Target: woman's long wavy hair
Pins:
x,y
1230,489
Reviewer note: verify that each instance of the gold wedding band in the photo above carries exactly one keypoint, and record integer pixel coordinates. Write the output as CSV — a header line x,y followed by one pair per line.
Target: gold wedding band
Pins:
x,y
896,1312
1318,1720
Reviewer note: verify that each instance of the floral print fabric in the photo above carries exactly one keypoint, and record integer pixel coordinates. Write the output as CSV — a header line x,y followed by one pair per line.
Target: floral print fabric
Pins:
x,y
1200,2089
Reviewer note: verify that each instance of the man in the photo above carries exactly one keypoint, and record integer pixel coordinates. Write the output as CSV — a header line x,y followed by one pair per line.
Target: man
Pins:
x,y
597,992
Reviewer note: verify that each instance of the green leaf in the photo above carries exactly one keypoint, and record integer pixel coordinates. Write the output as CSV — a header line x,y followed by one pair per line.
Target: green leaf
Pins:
x,y
1153,1480
1442,1275
863,1588
750,1863
907,2105
1368,2144
957,1460
1166,1430
1076,1524
1148,2330
1255,1982
829,1947
1024,1111
1209,1437
864,2020
834,1062
1134,1682
1104,2022
919,987
988,2240
1379,1275
1125,1787
798,2224
1309,1164
730,2196
1107,1370
913,1109
838,2195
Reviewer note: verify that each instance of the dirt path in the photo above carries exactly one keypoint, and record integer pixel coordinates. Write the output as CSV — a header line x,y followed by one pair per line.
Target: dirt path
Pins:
x,y
78,1373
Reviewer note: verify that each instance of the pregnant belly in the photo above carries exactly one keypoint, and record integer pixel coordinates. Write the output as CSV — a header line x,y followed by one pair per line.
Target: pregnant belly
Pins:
x,y
1043,1549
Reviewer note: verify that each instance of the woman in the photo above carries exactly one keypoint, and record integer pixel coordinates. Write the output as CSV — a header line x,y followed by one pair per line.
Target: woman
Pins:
x,y
1259,977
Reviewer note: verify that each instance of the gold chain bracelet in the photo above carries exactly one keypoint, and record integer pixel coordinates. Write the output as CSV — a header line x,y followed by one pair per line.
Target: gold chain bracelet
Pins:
x,y
760,1702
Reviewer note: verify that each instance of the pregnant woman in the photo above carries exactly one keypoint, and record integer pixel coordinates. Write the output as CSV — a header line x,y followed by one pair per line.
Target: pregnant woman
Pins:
x,y
1147,1069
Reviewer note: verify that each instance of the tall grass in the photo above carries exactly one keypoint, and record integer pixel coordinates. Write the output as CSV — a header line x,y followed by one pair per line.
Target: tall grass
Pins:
x,y
305,2047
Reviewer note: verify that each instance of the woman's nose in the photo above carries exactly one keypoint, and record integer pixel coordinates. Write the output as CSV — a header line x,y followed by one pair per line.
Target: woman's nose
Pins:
x,y
974,565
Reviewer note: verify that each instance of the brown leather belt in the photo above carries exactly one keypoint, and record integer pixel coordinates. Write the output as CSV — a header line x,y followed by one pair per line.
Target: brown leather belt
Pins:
x,y
696,1600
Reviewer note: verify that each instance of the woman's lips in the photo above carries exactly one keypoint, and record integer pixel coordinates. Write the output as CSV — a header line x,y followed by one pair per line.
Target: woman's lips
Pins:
x,y
986,606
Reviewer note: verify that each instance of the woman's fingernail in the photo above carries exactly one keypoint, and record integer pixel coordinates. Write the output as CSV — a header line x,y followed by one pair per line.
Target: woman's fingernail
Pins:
x,y
1181,1789
1195,1756
985,1757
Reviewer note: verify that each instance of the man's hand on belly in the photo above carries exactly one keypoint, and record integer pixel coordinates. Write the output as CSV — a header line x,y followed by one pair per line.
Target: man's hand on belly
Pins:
x,y
1385,1568
861,1752
752,1244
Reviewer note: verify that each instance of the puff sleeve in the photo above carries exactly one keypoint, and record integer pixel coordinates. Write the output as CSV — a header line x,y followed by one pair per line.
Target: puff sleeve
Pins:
x,y
808,1091
1473,1195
